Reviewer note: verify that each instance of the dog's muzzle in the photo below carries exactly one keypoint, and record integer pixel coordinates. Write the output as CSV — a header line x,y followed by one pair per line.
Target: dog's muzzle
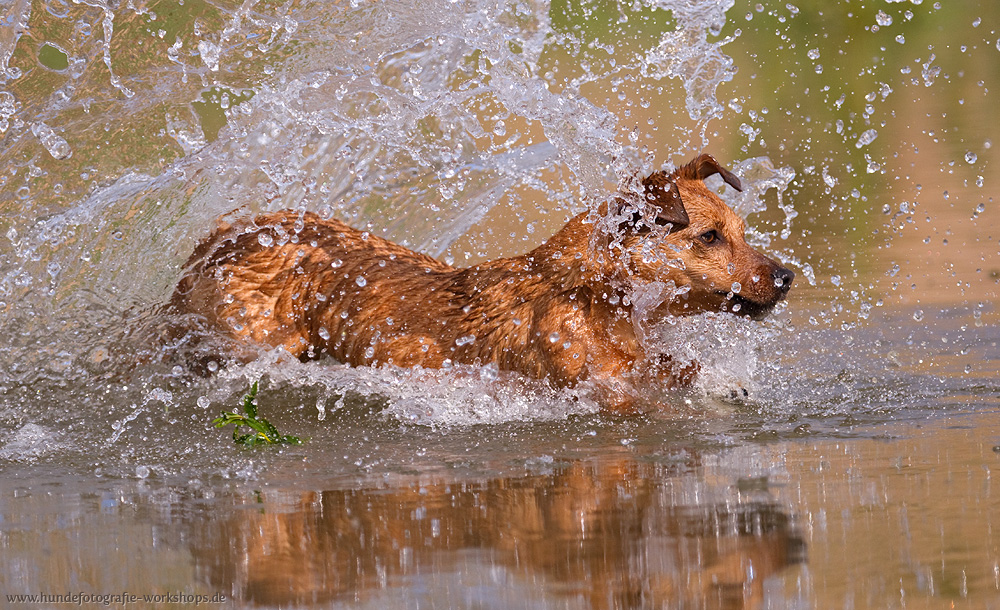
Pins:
x,y
782,279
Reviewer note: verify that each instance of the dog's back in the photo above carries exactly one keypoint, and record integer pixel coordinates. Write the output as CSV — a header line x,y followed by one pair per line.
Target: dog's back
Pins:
x,y
265,280
316,286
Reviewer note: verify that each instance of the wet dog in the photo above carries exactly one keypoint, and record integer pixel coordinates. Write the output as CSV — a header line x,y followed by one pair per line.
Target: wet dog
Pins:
x,y
562,312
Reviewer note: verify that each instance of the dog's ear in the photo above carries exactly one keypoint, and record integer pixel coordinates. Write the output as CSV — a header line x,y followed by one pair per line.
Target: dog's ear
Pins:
x,y
706,165
661,191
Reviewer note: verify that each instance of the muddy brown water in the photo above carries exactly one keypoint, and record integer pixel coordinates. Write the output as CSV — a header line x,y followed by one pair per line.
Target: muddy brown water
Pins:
x,y
856,474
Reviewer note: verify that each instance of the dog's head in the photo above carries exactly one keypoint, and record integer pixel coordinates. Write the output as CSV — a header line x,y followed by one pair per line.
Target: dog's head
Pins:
x,y
684,233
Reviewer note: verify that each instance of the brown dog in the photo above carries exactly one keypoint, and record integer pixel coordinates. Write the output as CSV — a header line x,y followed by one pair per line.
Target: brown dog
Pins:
x,y
563,311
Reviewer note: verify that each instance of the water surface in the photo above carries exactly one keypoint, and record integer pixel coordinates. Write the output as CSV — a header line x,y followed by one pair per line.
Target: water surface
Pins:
x,y
856,474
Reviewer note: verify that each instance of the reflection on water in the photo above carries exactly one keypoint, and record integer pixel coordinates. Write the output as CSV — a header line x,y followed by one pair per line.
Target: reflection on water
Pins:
x,y
878,523
592,534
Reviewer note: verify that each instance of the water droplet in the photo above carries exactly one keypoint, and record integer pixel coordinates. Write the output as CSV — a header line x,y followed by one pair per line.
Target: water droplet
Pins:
x,y
8,108
467,339
361,281
209,54
736,287
835,280
813,54
918,315
970,157
142,471
53,142
324,334
866,138
264,238
554,337
883,19
204,402
499,128
369,352
930,72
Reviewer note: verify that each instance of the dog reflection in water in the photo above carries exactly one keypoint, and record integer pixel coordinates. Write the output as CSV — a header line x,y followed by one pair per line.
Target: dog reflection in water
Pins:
x,y
603,533
562,312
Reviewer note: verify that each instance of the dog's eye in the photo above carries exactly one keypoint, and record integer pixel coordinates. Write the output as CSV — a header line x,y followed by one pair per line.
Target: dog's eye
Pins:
x,y
709,237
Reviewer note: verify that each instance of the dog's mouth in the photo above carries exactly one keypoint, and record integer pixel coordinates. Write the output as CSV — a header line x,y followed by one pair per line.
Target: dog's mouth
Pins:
x,y
742,306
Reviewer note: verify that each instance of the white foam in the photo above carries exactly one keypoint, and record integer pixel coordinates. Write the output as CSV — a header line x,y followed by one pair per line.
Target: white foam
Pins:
x,y
728,350
460,395
29,442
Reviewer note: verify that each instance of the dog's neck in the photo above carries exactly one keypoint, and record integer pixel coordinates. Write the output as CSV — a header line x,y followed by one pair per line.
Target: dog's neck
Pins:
x,y
563,267
580,257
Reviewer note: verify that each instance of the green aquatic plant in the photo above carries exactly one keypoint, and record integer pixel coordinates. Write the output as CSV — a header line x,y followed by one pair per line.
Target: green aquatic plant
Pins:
x,y
263,432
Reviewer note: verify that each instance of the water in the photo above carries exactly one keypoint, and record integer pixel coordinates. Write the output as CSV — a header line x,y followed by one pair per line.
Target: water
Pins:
x,y
837,454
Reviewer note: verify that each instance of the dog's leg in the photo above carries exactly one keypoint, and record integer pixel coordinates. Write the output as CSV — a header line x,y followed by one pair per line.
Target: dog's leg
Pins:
x,y
672,374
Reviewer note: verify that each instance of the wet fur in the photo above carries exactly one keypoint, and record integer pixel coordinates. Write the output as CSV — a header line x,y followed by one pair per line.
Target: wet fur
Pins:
x,y
560,312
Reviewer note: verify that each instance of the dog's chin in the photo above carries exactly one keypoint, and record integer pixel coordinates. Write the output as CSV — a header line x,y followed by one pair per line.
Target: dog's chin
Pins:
x,y
742,306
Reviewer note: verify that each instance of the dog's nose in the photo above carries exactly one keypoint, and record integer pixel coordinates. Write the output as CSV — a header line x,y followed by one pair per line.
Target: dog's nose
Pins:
x,y
782,278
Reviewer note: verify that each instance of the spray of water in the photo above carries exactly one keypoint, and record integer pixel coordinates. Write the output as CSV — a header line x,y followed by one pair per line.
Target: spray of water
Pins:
x,y
416,124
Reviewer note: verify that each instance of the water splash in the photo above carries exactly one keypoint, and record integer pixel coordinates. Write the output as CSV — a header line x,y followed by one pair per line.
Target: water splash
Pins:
x,y
414,125
53,142
729,350
108,23
456,396
31,442
688,55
